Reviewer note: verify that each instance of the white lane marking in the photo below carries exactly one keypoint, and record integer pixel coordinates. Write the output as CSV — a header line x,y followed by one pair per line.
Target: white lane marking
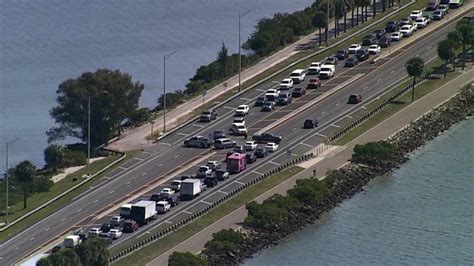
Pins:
x,y
144,174
79,210
168,222
348,116
245,99
323,112
238,182
182,134
187,212
258,173
96,200
31,239
418,55
138,159
307,145
338,104
294,129
111,191
274,163
129,182
366,87
176,156
334,125
16,248
123,168
261,90
379,80
393,71
63,219
228,107
160,165
197,125
167,144
321,135
47,229
206,202
145,152
363,107
429,47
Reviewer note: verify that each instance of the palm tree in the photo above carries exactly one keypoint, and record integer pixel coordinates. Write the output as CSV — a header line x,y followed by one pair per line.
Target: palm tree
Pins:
x,y
456,39
339,12
374,8
414,68
319,21
25,173
351,5
446,53
466,30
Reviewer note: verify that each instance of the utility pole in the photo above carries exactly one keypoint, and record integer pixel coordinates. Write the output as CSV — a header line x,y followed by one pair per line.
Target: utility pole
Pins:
x,y
6,176
164,88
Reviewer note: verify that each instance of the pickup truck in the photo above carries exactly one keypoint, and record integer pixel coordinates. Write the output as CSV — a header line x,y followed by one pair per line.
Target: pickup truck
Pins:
x,y
198,142
204,171
267,137
208,116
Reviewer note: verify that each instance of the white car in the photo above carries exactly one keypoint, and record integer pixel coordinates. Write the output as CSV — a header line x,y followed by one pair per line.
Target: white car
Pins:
x,y
163,206
374,49
421,22
286,84
396,36
406,30
271,146
415,14
116,220
354,48
314,68
238,129
167,192
115,233
94,232
250,145
414,26
242,110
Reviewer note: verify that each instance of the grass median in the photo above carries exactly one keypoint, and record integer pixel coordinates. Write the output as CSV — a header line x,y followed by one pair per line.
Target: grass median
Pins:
x,y
148,253
58,188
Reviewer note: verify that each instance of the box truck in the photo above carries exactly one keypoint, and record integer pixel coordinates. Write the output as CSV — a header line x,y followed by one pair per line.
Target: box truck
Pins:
x,y
143,211
190,188
71,241
236,163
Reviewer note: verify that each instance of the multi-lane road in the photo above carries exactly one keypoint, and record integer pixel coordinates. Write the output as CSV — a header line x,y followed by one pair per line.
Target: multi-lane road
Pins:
x,y
165,160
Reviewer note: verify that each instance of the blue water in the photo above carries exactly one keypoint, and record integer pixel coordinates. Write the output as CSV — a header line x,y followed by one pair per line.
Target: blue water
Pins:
x,y
44,42
422,214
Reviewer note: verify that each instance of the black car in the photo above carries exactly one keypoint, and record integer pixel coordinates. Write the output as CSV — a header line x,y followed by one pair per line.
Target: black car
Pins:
x,y
267,106
221,175
310,123
105,228
260,101
369,39
267,137
428,17
261,152
218,134
251,158
298,92
362,54
392,26
351,62
210,181
438,15
385,42
342,54
355,99
380,33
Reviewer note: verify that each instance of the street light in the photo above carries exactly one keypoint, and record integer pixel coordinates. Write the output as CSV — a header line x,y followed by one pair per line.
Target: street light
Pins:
x,y
6,175
152,122
240,54
164,88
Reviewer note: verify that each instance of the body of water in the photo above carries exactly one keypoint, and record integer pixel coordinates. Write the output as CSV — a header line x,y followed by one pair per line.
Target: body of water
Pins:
x,y
421,215
45,42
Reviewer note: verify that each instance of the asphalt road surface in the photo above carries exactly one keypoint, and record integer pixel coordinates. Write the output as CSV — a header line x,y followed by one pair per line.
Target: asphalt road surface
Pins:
x,y
164,160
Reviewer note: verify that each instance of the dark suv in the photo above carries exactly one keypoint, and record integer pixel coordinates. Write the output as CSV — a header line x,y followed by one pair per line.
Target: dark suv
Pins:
x,y
369,39
218,134
385,42
130,226
392,26
362,54
380,33
342,54
310,123
355,99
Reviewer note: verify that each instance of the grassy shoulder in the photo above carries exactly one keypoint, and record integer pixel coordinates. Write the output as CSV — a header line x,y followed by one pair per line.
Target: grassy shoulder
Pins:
x,y
148,253
420,91
59,187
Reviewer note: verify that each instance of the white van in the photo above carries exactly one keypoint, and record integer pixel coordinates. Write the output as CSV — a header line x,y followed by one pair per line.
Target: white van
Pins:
x,y
125,210
298,75
327,71
71,241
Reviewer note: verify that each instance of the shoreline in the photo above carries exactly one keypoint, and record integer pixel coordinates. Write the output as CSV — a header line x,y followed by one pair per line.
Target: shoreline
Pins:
x,y
355,176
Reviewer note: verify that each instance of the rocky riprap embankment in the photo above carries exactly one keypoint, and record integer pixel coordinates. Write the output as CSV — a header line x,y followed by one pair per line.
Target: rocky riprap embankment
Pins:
x,y
352,178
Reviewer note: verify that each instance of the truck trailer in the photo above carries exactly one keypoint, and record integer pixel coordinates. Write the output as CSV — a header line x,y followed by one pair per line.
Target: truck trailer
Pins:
x,y
190,188
143,211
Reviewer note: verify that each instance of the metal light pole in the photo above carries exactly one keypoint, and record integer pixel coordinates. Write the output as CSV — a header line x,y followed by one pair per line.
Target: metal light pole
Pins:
x,y
164,88
240,44
89,137
152,122
6,176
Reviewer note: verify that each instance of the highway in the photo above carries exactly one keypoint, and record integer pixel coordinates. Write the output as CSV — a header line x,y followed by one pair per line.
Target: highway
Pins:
x,y
167,158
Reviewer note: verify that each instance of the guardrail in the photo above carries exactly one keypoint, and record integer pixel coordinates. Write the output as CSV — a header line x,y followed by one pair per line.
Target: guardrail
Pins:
x,y
194,216
369,26
65,192
376,109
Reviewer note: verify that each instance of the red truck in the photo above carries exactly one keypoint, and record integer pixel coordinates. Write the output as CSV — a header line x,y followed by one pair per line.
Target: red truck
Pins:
x,y
236,163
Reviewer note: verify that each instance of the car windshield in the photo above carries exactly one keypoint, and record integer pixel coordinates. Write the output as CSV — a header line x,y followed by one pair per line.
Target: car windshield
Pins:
x,y
206,113
354,46
267,104
325,69
260,99
286,81
314,81
202,169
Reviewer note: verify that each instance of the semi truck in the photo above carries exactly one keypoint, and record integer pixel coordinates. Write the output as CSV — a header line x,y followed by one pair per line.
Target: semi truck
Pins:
x,y
190,188
143,211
